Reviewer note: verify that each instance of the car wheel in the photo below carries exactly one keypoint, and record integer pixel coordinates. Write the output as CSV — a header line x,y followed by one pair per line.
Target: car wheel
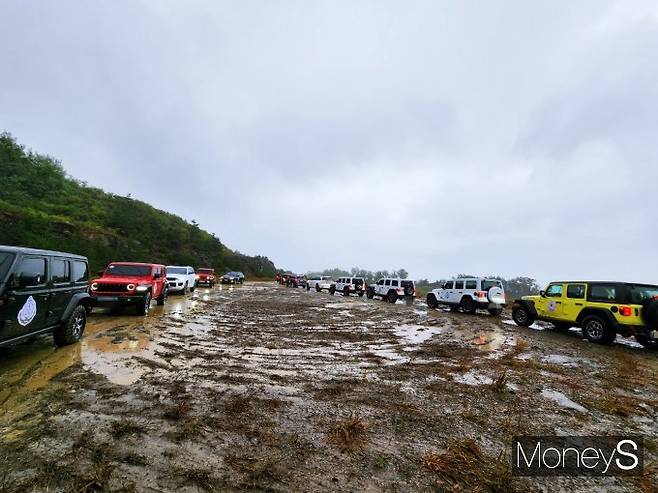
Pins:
x,y
370,294
308,288
193,288
144,305
596,329
361,293
522,316
318,288
392,296
70,330
432,301
468,305
346,291
185,289
495,311
646,341
332,290
162,299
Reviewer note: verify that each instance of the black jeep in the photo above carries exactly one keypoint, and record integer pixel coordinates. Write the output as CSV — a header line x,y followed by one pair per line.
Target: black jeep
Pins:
x,y
42,291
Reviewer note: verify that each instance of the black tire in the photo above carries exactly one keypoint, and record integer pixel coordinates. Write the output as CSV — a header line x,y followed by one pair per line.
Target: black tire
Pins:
x,y
346,291
361,293
597,329
392,296
70,330
522,316
193,288
495,311
318,288
185,289
468,305
432,302
162,299
408,291
647,342
332,290
308,288
143,307
370,294
650,314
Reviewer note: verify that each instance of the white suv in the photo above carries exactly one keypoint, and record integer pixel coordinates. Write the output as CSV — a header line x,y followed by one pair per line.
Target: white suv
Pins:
x,y
319,283
181,278
469,294
392,288
349,285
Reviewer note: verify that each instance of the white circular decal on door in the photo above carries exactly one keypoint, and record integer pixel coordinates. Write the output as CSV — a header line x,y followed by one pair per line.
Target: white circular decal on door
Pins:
x,y
28,312
552,306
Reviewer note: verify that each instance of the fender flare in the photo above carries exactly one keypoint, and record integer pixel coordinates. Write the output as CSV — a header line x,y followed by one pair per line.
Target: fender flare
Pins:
x,y
606,314
527,305
77,299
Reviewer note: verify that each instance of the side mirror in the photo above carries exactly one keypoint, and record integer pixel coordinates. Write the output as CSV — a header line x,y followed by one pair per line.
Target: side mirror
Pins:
x,y
542,293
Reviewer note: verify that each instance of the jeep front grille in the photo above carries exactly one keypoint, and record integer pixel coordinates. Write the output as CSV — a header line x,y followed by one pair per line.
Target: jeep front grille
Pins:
x,y
111,288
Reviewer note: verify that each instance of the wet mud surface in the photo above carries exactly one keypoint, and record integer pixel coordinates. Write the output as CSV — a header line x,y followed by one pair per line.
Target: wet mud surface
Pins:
x,y
266,388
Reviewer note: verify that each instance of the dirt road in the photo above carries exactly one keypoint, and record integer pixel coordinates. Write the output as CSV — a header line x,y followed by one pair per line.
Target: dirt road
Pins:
x,y
267,388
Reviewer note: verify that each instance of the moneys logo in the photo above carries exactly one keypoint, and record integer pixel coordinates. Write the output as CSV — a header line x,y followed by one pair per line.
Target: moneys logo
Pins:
x,y
28,312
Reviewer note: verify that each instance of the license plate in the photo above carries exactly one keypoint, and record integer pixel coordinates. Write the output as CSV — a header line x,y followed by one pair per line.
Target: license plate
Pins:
x,y
107,298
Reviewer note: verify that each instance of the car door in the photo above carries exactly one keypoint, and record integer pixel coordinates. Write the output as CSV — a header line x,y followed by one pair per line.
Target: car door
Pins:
x,y
61,288
28,298
550,305
379,288
574,301
445,293
458,292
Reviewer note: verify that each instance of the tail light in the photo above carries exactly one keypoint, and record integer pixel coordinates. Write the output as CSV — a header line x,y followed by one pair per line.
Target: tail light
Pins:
x,y
481,294
625,311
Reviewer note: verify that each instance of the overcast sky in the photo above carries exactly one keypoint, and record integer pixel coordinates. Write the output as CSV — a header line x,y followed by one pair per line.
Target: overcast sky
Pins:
x,y
511,138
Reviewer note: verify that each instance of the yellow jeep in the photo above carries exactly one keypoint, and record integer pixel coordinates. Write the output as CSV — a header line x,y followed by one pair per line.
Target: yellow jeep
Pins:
x,y
601,309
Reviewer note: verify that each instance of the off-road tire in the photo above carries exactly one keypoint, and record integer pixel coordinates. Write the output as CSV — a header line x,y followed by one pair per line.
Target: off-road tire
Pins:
x,y
370,294
650,314
432,302
361,293
468,305
408,291
392,296
647,342
162,299
143,307
332,290
346,291
193,288
308,288
495,311
318,288
70,330
597,329
522,317
185,289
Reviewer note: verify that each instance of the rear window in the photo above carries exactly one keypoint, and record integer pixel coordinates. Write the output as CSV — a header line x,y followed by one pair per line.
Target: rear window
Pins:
x,y
602,292
128,270
60,271
80,271
394,283
640,294
490,283
6,260
471,284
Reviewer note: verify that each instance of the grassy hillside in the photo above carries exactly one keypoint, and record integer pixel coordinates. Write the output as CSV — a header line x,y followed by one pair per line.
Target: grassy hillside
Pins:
x,y
41,207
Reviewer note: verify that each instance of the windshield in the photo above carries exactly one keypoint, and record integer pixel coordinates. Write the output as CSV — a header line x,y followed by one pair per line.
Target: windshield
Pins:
x,y
176,270
5,262
640,294
232,274
128,270
205,271
490,283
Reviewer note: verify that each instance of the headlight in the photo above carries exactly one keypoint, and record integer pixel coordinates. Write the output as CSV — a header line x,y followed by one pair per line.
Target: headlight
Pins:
x,y
142,288
94,286
130,287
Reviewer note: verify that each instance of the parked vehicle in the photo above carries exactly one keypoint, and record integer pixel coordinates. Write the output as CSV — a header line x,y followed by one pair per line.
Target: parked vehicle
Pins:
x,y
42,291
469,294
279,278
601,309
129,283
349,285
232,278
296,281
181,278
391,289
205,276
319,283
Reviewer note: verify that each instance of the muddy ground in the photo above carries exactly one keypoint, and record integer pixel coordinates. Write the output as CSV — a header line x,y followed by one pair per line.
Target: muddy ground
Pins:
x,y
268,388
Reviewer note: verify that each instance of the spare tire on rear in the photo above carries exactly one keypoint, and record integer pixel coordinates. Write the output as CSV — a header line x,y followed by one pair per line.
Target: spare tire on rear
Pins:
x,y
650,313
496,295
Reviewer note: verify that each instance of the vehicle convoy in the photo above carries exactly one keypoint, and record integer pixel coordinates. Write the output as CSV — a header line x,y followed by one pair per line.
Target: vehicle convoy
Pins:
x,y
205,276
232,278
319,283
349,285
40,292
181,278
129,283
601,309
391,289
469,294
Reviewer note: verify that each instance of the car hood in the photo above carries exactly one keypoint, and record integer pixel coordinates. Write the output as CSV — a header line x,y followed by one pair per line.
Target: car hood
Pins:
x,y
531,298
122,280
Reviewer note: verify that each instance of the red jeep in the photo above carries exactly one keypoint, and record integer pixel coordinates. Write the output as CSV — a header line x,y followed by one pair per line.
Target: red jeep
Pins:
x,y
206,276
128,283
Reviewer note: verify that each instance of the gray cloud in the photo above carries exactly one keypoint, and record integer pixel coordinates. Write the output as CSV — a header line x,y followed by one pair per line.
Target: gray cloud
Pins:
x,y
439,137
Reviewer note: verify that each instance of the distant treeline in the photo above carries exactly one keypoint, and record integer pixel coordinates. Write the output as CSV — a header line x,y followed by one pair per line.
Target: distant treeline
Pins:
x,y
515,287
42,207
